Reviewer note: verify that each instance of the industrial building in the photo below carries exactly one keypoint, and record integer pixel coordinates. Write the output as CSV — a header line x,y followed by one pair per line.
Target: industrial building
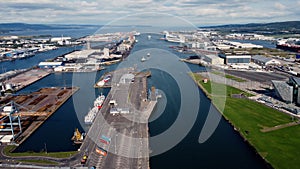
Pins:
x,y
264,61
50,64
80,54
213,59
236,59
289,91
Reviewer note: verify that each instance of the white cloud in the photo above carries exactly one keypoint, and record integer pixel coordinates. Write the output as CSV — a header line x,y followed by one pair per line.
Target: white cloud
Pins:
x,y
279,6
104,11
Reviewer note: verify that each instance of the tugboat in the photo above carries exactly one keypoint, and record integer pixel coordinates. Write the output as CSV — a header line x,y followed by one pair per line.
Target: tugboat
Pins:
x,y
78,137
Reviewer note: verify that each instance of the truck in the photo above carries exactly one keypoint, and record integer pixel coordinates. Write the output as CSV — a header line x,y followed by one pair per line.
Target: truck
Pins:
x,y
84,159
105,139
101,151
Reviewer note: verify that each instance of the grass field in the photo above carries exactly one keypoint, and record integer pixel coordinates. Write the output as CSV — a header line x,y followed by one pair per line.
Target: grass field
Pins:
x,y
229,76
280,147
7,152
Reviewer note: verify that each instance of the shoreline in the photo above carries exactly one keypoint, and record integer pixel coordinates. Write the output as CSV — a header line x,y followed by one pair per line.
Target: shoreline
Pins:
x,y
235,128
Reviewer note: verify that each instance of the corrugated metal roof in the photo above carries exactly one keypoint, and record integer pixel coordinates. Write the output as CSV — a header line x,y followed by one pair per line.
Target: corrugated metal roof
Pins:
x,y
261,58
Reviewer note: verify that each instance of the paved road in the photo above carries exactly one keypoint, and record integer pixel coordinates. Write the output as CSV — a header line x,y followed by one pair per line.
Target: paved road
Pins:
x,y
257,76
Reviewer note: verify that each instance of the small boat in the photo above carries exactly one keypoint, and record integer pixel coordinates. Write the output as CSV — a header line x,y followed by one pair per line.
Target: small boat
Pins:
x,y
148,54
143,59
149,37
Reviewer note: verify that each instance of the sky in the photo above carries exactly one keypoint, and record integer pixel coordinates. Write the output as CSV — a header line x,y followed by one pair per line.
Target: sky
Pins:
x,y
142,12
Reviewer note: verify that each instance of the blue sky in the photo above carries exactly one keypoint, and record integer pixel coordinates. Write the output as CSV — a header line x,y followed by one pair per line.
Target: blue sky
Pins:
x,y
197,12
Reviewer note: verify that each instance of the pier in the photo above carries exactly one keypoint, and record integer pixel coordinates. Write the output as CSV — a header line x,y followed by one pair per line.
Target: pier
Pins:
x,y
124,119
23,79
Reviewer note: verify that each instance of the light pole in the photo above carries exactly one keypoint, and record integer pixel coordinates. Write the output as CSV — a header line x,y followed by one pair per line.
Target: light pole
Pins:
x,y
45,148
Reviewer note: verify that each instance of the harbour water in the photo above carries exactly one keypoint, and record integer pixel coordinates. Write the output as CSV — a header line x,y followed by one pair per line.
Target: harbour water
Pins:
x,y
34,61
225,149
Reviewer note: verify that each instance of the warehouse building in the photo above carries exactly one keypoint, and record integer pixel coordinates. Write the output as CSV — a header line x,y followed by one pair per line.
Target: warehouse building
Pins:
x,y
213,59
46,65
264,61
236,59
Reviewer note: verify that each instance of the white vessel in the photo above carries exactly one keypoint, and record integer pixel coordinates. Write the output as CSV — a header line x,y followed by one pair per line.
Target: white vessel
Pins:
x,y
143,59
89,118
99,101
149,37
173,38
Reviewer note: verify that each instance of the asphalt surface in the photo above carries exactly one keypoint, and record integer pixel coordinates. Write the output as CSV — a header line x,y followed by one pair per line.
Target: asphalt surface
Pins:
x,y
124,151
257,76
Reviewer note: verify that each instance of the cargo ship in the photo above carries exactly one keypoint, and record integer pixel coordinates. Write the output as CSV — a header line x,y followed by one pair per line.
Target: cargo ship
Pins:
x,y
293,46
89,118
99,101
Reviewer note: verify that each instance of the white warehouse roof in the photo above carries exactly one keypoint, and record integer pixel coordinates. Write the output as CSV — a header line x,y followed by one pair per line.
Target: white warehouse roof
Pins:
x,y
50,63
238,56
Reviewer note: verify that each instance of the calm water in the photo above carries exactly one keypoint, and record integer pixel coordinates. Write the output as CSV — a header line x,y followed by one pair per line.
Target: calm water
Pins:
x,y
225,149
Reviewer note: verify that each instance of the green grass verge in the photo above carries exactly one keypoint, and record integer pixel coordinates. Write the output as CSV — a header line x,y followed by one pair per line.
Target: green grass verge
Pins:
x,y
280,147
38,162
7,151
215,89
229,76
235,78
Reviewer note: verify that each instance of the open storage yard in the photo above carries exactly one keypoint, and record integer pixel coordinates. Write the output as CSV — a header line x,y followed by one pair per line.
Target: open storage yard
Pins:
x,y
26,78
35,108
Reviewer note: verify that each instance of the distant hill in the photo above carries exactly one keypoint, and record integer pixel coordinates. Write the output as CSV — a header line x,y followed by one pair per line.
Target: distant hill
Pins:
x,y
22,26
288,27
8,27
